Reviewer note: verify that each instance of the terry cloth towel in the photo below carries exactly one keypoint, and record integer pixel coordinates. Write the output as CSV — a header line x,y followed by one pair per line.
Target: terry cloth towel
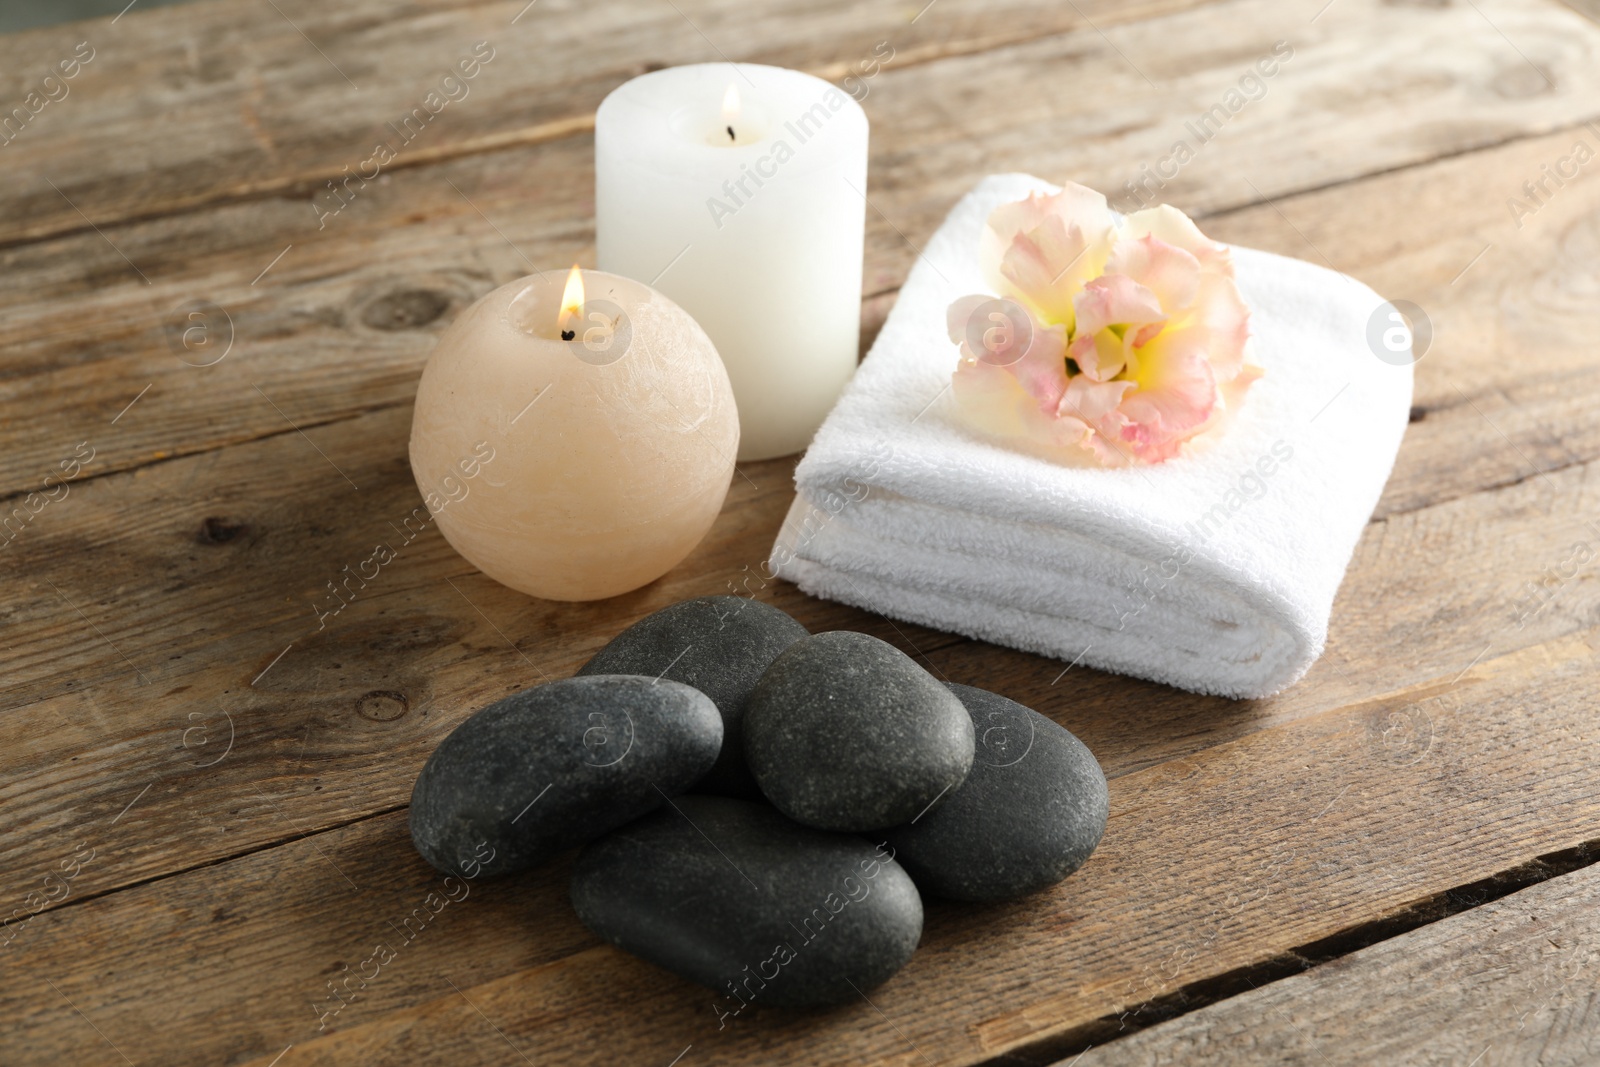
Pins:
x,y
1214,571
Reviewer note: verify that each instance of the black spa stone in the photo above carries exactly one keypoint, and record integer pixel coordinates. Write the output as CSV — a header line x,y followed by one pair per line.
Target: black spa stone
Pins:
x,y
558,765
721,645
846,733
763,911
1029,814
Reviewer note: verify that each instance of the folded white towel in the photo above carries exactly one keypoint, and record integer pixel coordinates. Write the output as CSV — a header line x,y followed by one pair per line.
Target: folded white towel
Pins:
x,y
1214,571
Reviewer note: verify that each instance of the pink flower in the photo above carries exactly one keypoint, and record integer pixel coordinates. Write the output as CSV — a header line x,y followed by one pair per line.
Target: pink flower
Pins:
x,y
1123,337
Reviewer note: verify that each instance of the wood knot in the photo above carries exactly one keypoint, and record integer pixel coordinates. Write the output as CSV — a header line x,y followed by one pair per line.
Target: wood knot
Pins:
x,y
382,705
408,309
216,531
1417,414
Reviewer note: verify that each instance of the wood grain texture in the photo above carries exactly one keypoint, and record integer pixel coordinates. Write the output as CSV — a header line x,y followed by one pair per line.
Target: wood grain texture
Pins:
x,y
279,782
222,642
225,631
1511,300
222,557
318,336
235,957
1298,831
1210,863
1509,983
259,99
240,769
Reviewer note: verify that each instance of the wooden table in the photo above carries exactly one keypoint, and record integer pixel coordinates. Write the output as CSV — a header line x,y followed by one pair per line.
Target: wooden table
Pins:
x,y
202,804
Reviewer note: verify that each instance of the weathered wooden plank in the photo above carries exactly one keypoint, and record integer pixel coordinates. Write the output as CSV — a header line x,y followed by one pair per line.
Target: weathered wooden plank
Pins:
x,y
275,943
206,673
222,551
1510,982
259,100
1303,830
337,729
1123,102
1480,391
219,568
317,333
220,572
268,526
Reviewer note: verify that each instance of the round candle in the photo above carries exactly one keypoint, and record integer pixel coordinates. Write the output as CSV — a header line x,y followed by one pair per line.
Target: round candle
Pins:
x,y
739,191
574,437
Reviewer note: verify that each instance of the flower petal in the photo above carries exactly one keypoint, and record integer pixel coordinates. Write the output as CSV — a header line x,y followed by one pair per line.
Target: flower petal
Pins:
x,y
1166,270
1173,403
994,401
1146,333
1221,311
1115,300
1166,223
1098,403
1041,250
1218,325
1101,355
1003,335
1075,205
1042,370
1043,268
958,314
1092,401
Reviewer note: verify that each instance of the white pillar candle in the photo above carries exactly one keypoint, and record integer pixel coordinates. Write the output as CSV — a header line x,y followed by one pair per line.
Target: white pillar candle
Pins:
x,y
739,191
573,448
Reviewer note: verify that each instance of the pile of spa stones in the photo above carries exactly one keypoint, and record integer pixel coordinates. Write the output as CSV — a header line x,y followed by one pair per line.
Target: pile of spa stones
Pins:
x,y
761,808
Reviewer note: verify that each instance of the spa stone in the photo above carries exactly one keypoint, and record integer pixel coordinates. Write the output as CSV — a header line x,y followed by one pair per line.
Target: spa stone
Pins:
x,y
734,896
1029,814
557,765
846,733
721,645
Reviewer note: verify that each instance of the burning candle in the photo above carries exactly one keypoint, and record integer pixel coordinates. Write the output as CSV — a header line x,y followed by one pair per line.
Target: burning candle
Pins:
x,y
739,191
574,439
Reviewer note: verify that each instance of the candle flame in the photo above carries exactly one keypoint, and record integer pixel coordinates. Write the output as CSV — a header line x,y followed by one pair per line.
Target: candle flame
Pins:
x,y
730,104
571,299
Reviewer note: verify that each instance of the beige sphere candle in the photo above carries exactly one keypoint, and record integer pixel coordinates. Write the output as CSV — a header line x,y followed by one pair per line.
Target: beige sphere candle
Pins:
x,y
574,438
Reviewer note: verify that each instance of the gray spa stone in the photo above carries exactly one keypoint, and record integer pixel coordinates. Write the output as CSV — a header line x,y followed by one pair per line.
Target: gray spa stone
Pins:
x,y
557,765
1029,814
846,733
721,645
734,896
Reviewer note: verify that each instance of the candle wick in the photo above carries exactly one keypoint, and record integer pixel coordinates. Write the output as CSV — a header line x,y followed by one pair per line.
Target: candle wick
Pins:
x,y
731,137
567,335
